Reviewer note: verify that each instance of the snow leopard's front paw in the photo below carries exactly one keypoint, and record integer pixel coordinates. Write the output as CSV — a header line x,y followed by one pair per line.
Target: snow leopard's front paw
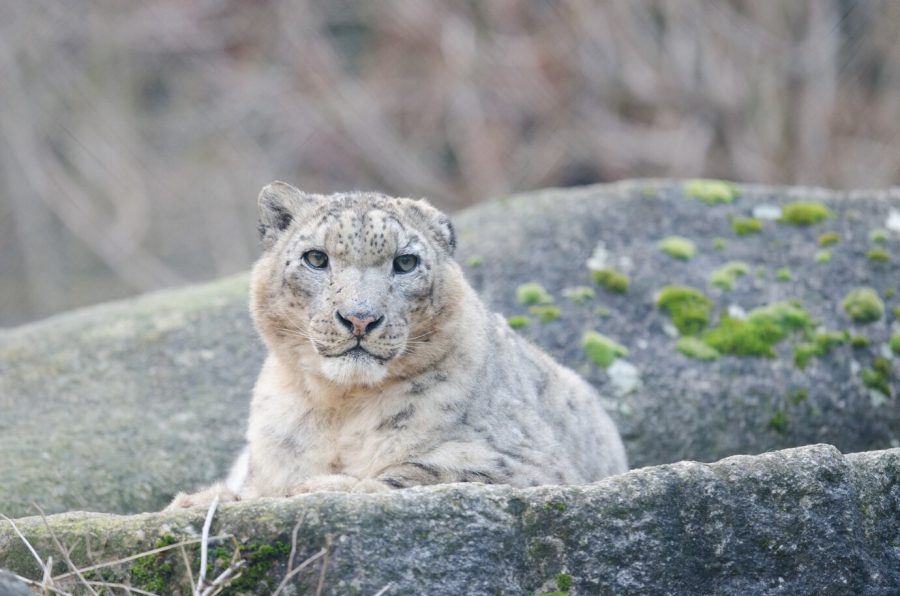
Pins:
x,y
337,483
202,498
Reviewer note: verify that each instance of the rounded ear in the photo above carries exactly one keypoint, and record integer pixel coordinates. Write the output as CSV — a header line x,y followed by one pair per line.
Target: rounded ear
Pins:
x,y
278,204
440,226
447,233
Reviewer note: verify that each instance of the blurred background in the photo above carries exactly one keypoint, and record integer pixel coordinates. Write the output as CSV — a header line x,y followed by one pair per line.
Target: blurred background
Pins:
x,y
136,135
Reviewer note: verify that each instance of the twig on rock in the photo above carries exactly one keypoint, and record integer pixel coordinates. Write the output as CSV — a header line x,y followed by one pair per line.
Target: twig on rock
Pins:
x,y
204,545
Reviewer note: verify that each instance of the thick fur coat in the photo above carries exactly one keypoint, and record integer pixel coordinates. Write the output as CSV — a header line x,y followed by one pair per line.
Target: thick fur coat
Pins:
x,y
385,370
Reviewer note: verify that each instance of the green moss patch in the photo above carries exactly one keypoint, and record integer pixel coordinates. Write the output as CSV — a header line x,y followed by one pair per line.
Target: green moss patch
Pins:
x,y
828,238
154,573
744,226
518,321
859,341
688,308
726,276
879,236
863,305
601,349
678,247
720,243
475,261
763,328
743,338
779,422
804,214
820,346
823,256
611,279
798,396
693,347
784,274
546,312
878,377
564,582
260,558
895,344
533,293
878,255
787,314
579,294
712,192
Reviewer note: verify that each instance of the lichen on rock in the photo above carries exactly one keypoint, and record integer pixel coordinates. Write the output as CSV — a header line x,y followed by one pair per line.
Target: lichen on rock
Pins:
x,y
712,192
678,247
863,305
601,349
804,213
688,307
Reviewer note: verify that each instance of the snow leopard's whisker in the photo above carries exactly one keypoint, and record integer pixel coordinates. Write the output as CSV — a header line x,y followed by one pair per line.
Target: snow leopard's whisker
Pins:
x,y
295,332
422,335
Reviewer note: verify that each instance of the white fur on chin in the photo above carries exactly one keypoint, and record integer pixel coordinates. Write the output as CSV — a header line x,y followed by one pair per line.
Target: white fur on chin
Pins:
x,y
354,371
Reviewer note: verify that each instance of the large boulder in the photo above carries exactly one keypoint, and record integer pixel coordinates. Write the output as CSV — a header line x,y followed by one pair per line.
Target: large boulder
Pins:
x,y
116,407
800,521
771,246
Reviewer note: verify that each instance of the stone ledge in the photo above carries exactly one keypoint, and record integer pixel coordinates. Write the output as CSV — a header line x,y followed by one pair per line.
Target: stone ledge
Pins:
x,y
799,521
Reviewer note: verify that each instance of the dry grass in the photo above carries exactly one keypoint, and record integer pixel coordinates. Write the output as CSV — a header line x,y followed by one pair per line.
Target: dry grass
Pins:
x,y
65,584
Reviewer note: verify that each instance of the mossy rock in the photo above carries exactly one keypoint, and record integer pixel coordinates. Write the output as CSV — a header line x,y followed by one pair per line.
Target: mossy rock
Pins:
x,y
117,407
828,518
804,213
863,305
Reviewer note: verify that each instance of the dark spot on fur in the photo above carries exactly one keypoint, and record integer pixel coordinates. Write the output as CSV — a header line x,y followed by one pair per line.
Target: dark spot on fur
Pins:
x,y
394,482
429,470
476,476
395,422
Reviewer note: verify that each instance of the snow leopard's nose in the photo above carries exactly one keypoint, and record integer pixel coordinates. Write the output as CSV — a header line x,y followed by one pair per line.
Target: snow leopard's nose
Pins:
x,y
359,323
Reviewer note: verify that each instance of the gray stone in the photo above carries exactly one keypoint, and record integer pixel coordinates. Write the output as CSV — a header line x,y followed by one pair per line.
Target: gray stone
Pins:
x,y
799,521
685,408
116,407
10,585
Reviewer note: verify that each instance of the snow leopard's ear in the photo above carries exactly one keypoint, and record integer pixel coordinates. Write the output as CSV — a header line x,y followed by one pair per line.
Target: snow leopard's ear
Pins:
x,y
439,225
278,204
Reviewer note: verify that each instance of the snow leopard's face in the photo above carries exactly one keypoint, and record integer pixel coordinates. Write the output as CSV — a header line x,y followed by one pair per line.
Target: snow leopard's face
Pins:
x,y
349,283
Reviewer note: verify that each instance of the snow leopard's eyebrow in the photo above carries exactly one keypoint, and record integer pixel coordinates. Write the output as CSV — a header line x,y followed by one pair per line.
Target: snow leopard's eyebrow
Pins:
x,y
413,243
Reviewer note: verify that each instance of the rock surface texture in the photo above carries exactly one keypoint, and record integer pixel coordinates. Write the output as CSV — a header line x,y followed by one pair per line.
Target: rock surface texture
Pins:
x,y
798,521
116,407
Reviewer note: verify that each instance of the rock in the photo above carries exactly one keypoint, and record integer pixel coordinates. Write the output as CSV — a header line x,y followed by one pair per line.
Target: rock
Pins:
x,y
686,408
799,521
116,407
10,585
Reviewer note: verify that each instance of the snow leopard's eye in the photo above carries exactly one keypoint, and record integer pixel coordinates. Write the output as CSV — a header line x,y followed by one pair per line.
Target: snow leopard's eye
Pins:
x,y
316,259
405,263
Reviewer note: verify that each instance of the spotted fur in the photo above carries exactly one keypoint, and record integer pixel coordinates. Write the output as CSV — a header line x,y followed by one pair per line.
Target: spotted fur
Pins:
x,y
440,390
